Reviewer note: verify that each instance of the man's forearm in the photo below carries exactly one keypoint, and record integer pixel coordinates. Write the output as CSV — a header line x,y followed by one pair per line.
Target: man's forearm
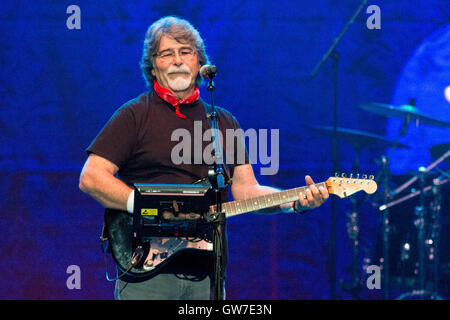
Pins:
x,y
110,191
259,190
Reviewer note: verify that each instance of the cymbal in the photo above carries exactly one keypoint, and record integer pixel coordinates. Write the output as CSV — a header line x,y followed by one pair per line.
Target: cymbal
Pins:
x,y
406,112
358,139
439,149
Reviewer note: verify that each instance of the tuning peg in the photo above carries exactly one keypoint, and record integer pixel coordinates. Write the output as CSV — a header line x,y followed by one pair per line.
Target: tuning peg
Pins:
x,y
344,175
351,175
371,177
364,176
336,174
357,176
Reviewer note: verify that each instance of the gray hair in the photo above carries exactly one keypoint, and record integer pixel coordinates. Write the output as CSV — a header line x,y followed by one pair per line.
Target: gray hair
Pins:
x,y
179,29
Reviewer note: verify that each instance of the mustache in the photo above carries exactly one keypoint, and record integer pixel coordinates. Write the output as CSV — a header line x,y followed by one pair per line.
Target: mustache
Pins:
x,y
181,69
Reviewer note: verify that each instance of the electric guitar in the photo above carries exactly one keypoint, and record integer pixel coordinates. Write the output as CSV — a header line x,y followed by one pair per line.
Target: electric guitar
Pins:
x,y
119,224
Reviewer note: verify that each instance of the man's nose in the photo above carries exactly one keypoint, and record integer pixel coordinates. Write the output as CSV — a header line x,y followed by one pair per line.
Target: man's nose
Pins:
x,y
177,59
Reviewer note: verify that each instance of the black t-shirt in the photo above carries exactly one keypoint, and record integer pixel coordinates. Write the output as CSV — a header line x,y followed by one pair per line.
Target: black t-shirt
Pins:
x,y
138,140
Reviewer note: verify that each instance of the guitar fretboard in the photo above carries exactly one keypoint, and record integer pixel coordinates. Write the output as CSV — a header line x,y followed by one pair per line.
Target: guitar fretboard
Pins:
x,y
237,207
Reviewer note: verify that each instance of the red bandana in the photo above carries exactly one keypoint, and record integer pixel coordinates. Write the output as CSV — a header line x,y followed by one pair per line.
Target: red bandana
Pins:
x,y
166,95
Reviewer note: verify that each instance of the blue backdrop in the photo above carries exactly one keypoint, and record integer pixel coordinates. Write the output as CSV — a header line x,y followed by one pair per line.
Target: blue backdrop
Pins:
x,y
59,87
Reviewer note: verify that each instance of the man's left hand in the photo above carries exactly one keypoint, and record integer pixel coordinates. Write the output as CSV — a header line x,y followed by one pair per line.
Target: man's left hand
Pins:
x,y
313,197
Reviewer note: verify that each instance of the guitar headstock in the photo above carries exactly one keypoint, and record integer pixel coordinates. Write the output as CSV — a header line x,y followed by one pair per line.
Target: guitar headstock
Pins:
x,y
344,186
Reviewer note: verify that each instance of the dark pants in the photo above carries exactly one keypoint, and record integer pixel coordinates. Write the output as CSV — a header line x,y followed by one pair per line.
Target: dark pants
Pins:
x,y
188,276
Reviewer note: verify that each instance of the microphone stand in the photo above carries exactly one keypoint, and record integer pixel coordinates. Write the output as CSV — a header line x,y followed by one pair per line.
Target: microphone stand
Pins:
x,y
219,181
334,54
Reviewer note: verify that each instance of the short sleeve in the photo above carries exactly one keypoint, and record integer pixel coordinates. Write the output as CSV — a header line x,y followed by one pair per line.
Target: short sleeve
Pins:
x,y
117,139
235,152
240,146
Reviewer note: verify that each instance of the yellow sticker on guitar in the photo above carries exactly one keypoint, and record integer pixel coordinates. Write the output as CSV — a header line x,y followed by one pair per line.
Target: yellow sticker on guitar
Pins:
x,y
149,212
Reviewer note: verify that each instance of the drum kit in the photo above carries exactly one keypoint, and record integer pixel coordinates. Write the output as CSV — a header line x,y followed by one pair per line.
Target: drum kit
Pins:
x,y
419,254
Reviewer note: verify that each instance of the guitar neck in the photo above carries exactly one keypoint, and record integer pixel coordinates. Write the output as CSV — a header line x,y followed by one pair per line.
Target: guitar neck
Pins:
x,y
237,207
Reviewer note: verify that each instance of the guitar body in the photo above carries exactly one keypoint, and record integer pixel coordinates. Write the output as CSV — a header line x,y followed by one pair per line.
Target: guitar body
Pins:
x,y
118,227
158,251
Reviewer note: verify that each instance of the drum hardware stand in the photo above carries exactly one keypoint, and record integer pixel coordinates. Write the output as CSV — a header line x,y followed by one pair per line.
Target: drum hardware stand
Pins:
x,y
385,228
405,255
432,240
420,212
435,236
385,177
420,222
387,195
436,207
354,286
353,233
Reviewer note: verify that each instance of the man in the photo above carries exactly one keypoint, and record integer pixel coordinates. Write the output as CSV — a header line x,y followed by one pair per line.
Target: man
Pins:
x,y
136,144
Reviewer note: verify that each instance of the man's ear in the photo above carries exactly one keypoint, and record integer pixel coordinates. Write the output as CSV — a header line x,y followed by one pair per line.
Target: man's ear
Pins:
x,y
153,72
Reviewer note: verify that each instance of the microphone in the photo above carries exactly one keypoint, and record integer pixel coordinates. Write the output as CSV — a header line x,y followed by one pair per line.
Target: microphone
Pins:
x,y
208,71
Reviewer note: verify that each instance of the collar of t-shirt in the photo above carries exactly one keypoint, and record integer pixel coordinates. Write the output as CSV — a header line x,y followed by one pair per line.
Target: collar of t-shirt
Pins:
x,y
166,95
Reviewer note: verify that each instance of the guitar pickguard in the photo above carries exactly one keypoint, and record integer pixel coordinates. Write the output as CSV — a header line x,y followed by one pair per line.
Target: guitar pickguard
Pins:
x,y
163,248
